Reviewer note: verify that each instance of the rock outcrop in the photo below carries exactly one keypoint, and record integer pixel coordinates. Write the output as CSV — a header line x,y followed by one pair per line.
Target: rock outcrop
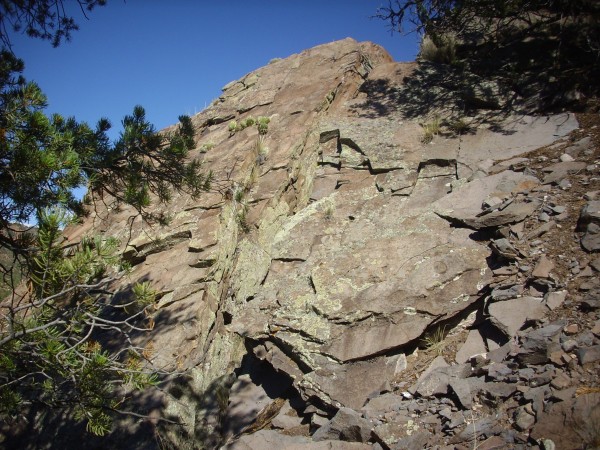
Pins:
x,y
345,281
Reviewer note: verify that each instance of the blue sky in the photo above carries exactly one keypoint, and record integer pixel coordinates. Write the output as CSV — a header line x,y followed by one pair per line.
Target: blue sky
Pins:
x,y
173,57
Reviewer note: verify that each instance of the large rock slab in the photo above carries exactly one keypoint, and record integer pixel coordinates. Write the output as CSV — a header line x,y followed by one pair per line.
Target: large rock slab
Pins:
x,y
329,252
464,206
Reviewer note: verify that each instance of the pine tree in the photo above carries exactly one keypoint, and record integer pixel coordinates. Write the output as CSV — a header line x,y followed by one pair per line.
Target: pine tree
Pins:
x,y
52,327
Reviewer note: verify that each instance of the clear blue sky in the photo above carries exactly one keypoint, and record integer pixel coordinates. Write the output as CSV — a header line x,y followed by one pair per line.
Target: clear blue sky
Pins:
x,y
173,57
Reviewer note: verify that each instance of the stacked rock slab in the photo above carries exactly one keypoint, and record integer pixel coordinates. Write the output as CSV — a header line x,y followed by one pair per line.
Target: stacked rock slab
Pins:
x,y
328,246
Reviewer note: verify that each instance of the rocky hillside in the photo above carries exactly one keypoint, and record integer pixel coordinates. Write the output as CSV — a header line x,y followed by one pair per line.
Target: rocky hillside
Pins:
x,y
363,276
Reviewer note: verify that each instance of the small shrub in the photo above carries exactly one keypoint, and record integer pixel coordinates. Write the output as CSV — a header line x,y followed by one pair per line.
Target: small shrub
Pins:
x,y
233,127
329,211
144,293
261,150
434,341
239,195
262,124
431,129
164,219
206,147
459,126
242,220
443,51
254,174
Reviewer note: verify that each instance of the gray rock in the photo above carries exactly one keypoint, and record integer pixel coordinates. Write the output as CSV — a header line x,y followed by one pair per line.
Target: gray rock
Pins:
x,y
431,379
589,213
578,147
464,205
383,403
565,157
271,439
526,374
589,223
585,339
287,418
569,345
317,421
498,371
591,239
537,396
503,247
591,301
542,378
498,391
507,292
492,443
510,315
416,441
558,171
589,354
346,425
392,432
524,420
543,267
561,381
474,345
554,299
486,426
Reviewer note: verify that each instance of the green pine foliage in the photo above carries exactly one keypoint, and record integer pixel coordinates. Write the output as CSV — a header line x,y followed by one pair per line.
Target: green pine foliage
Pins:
x,y
54,325
50,355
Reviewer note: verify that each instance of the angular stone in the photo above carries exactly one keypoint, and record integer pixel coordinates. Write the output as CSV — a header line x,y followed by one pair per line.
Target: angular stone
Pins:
x,y
498,371
510,315
560,170
431,380
464,388
346,425
416,441
591,239
503,247
392,432
524,420
287,418
543,267
474,345
492,443
561,381
589,213
486,426
382,403
271,439
555,299
588,354
377,337
463,206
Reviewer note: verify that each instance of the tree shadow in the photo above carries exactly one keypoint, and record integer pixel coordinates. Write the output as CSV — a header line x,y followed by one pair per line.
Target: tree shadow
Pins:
x,y
141,416
490,81
448,92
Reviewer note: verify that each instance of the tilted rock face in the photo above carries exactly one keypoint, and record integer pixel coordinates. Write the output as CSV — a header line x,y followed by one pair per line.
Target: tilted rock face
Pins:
x,y
330,245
